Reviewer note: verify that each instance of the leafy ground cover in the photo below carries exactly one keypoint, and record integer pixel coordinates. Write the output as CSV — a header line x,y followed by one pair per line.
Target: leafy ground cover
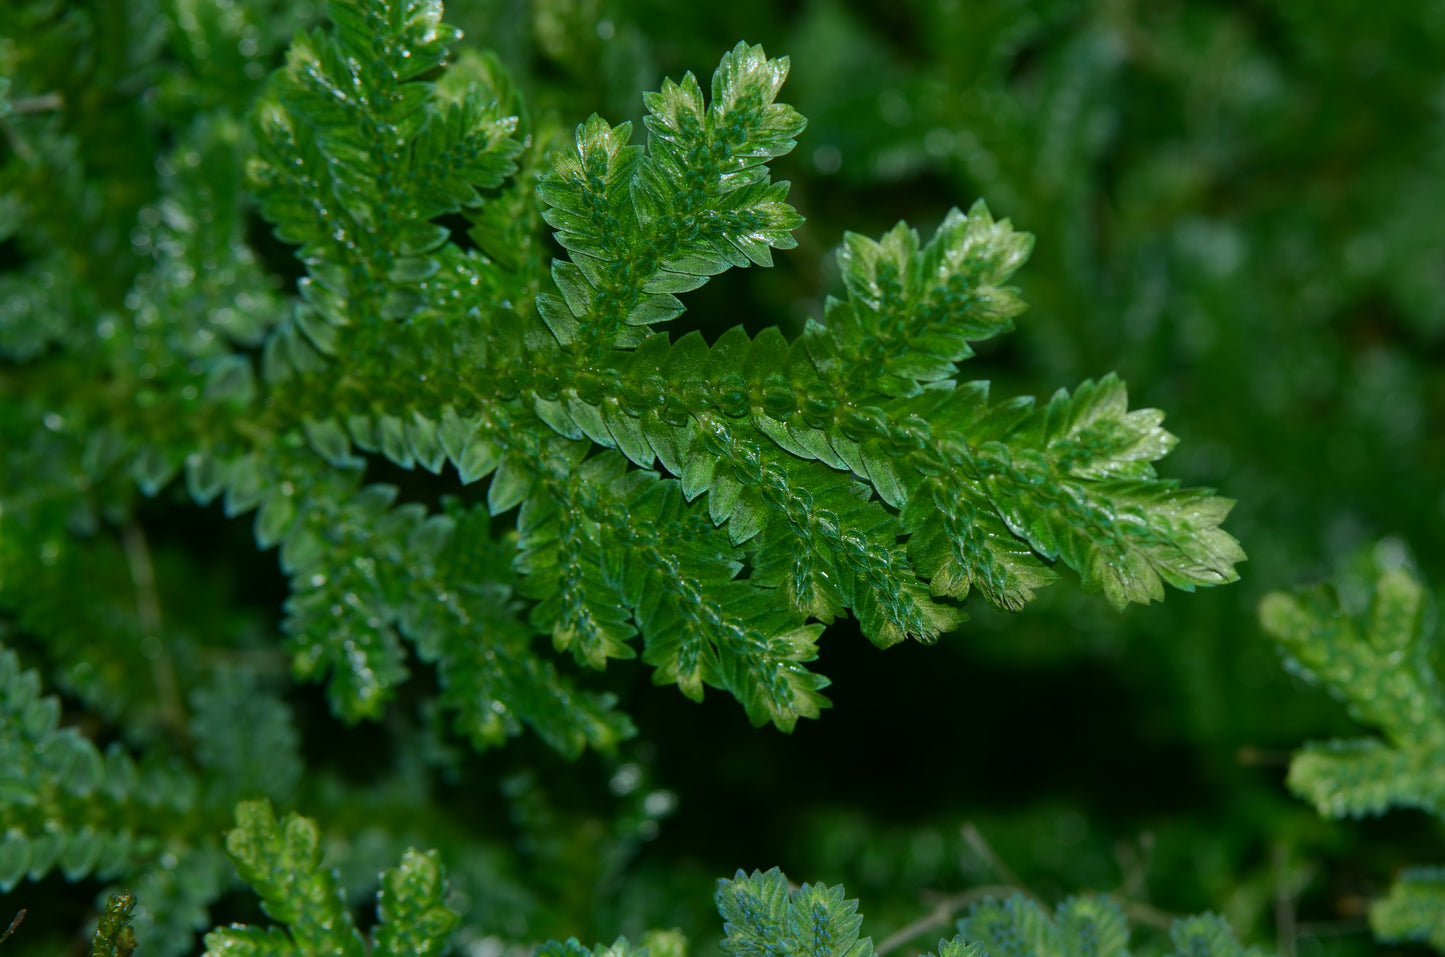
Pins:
x,y
1236,210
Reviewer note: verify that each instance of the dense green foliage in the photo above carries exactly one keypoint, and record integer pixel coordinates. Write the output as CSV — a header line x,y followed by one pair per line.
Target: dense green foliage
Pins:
x,y
263,258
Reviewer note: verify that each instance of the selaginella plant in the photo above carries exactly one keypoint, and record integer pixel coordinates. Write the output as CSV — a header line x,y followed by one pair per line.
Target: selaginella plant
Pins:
x,y
1377,657
709,506
763,915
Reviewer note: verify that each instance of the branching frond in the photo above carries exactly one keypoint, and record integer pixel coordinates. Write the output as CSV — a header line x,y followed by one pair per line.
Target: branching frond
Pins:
x,y
763,916
281,860
1379,663
707,508
1414,910
65,804
642,224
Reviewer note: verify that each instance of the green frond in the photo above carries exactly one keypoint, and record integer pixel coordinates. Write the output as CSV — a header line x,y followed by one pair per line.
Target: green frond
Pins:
x,y
910,313
1365,776
1378,661
1207,935
65,804
281,860
245,740
665,943
113,936
1016,926
471,623
414,919
1086,927
1379,665
1414,910
642,224
356,157
655,944
764,918
1092,927
957,947
988,493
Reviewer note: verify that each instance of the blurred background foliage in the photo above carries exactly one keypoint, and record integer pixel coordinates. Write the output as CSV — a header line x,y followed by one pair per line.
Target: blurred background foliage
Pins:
x,y
1240,207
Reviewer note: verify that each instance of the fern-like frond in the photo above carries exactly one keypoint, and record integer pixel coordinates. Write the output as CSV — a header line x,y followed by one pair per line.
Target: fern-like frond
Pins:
x,y
654,944
763,917
1379,663
747,492
245,739
113,935
642,224
1414,910
64,803
281,860
1207,935
988,494
1020,926
356,157
911,312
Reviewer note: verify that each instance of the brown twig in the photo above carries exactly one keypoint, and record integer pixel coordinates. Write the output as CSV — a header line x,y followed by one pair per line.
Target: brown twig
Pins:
x,y
944,910
981,847
37,104
13,924
942,913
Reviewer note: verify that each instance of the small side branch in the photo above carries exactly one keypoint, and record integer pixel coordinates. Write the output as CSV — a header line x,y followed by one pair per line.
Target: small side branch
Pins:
x,y
43,103
19,916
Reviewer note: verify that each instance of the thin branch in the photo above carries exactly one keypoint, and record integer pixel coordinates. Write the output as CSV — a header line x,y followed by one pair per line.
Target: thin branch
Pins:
x,y
1251,757
943,913
262,661
1134,865
945,909
43,103
981,847
30,104
1331,928
13,924
1286,932
1142,913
